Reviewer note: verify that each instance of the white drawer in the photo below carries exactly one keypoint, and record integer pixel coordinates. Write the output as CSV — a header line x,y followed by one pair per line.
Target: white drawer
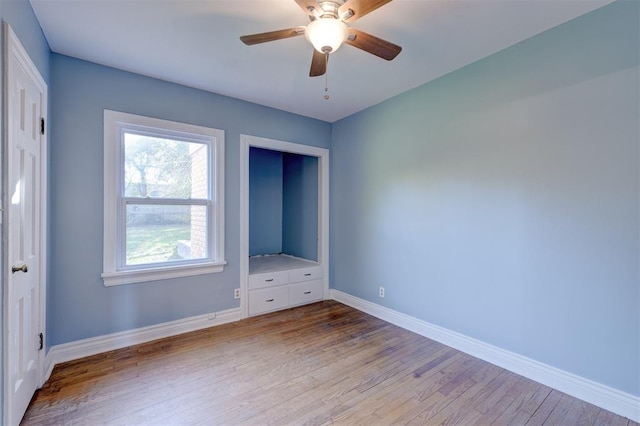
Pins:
x,y
306,292
268,279
268,299
305,274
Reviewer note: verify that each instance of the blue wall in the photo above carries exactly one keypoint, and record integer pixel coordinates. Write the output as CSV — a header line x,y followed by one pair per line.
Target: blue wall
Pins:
x,y
283,203
265,201
502,201
80,306
300,206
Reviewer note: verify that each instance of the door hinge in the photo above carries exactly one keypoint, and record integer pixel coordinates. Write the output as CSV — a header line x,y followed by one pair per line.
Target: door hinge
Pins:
x,y
42,125
41,336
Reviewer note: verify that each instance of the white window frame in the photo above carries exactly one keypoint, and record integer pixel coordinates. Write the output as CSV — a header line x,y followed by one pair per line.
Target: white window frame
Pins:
x,y
115,272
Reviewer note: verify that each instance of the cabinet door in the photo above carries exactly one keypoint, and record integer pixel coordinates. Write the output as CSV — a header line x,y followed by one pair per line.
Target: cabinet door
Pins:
x,y
305,292
268,299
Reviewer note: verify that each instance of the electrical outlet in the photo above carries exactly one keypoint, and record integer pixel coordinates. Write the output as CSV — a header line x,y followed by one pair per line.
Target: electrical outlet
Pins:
x,y
381,291
236,293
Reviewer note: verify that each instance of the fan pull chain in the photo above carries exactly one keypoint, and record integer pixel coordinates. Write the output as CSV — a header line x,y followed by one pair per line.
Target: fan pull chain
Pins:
x,y
326,77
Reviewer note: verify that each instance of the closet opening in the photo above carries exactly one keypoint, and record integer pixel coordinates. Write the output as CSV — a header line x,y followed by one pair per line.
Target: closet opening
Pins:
x,y
283,204
284,229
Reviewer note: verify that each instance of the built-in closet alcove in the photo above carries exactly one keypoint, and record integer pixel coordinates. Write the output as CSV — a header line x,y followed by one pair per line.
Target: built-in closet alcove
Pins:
x,y
284,229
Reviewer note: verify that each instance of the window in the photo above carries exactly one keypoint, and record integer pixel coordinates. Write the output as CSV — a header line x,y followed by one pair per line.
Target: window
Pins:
x,y
163,199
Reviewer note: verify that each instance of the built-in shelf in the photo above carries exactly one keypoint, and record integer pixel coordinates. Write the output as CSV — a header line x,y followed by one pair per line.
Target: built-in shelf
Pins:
x,y
277,262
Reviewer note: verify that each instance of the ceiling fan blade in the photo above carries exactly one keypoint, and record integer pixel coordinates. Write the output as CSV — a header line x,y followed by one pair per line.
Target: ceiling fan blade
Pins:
x,y
372,44
318,64
271,36
358,8
310,7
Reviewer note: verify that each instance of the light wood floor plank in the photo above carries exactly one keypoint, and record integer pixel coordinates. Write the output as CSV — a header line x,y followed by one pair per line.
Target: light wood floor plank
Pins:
x,y
607,418
560,411
323,363
544,410
462,406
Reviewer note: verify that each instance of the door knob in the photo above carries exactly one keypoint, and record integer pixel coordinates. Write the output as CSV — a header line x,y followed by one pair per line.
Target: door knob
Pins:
x,y
22,268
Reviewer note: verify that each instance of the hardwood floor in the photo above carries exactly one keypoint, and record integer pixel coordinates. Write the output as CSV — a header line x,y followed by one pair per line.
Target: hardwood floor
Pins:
x,y
324,363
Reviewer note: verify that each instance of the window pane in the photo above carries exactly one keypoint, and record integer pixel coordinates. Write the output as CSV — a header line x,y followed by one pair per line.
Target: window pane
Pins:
x,y
164,168
165,233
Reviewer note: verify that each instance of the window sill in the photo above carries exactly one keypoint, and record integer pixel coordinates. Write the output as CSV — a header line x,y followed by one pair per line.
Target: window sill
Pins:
x,y
165,273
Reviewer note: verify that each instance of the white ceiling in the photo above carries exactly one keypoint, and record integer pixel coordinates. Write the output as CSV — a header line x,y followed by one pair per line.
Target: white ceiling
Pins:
x,y
196,43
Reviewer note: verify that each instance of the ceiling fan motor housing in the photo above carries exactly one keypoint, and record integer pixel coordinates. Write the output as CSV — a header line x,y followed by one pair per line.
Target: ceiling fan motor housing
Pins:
x,y
329,10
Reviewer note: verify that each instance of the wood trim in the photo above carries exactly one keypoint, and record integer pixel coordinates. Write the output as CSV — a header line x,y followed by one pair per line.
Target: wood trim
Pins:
x,y
95,345
244,226
603,396
162,273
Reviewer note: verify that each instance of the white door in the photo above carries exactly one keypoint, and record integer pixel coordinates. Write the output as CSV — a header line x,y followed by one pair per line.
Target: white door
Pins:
x,y
26,95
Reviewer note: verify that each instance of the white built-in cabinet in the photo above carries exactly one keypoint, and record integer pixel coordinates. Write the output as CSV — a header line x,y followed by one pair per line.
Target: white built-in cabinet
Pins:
x,y
284,274
281,281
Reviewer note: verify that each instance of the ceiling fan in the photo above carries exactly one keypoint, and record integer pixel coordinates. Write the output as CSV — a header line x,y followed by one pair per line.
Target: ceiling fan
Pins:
x,y
328,30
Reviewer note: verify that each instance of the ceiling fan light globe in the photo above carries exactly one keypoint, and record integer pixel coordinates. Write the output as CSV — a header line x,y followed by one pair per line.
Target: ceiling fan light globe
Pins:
x,y
326,34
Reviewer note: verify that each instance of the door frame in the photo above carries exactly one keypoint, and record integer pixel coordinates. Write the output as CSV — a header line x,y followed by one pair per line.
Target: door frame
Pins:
x,y
15,51
322,154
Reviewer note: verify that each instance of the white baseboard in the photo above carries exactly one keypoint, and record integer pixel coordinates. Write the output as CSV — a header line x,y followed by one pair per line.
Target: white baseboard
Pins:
x,y
610,399
95,345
